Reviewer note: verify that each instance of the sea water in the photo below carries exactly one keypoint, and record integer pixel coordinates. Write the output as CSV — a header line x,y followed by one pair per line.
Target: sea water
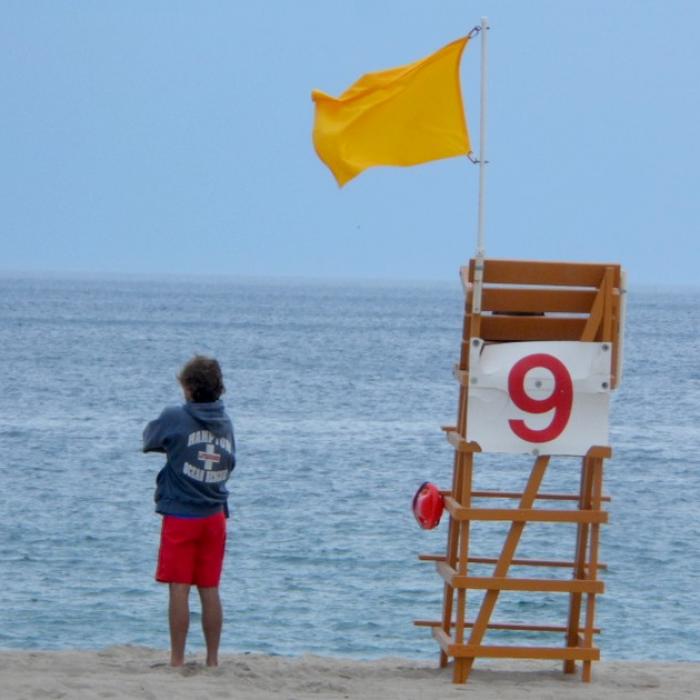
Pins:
x,y
338,392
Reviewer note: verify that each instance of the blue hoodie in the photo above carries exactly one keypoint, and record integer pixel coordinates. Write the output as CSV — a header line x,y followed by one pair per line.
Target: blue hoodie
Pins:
x,y
201,454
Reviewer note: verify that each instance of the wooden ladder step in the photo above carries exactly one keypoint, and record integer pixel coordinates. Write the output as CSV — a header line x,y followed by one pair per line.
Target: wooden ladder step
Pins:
x,y
539,497
458,512
504,626
472,651
497,583
515,562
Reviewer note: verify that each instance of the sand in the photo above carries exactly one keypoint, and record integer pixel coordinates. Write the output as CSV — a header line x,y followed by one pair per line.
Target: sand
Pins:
x,y
137,672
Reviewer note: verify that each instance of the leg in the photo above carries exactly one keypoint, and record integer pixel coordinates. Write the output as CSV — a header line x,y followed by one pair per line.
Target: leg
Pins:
x,y
575,599
212,621
179,616
175,567
210,558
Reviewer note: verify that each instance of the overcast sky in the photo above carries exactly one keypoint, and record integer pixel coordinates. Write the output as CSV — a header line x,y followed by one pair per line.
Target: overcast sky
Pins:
x,y
175,137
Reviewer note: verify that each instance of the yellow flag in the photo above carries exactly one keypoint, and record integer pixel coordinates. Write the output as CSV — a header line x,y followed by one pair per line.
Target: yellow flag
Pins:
x,y
401,116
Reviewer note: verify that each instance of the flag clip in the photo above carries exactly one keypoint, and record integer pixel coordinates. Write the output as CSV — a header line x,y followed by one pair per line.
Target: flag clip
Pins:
x,y
476,161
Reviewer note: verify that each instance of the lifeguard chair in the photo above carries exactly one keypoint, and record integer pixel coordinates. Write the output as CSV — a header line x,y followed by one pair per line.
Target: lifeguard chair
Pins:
x,y
541,350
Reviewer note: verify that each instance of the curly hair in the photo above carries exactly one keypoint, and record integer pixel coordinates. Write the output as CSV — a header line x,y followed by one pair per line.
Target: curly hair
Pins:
x,y
201,377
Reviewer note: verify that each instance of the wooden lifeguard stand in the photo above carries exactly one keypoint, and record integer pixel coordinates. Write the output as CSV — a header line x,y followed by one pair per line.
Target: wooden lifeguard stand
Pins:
x,y
527,301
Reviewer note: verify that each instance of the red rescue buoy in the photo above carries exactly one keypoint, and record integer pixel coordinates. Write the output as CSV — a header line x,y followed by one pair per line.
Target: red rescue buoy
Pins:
x,y
428,504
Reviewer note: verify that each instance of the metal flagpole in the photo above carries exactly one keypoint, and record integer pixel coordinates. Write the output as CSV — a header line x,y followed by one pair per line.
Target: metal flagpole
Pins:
x,y
479,259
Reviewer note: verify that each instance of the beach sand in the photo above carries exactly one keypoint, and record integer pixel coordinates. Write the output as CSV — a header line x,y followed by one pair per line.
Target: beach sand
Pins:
x,y
137,672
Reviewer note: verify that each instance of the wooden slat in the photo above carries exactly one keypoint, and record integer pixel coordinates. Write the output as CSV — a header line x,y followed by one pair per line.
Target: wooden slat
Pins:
x,y
516,562
488,583
528,562
616,301
524,514
538,272
462,463
511,652
523,328
518,494
493,583
538,497
515,627
538,300
464,495
580,559
592,569
609,330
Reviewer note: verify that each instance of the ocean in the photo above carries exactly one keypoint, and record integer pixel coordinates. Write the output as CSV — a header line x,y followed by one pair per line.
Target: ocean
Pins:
x,y
337,392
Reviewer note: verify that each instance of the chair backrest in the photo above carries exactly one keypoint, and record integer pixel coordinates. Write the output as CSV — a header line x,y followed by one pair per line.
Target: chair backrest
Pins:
x,y
535,300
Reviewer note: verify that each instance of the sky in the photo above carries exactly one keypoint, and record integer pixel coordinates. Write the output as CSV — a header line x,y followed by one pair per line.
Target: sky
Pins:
x,y
170,137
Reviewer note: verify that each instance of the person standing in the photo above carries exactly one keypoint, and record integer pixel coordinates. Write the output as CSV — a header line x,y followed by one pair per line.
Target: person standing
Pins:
x,y
191,495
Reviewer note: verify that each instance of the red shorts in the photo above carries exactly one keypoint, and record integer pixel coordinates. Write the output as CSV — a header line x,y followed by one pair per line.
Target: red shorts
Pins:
x,y
192,550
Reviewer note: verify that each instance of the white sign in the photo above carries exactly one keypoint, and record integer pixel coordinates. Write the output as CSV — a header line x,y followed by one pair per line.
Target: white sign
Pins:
x,y
549,398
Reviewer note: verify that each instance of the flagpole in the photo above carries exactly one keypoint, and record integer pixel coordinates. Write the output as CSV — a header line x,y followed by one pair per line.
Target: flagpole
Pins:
x,y
479,258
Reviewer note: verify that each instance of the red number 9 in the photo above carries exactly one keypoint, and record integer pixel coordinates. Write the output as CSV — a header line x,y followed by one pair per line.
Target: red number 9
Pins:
x,y
560,399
